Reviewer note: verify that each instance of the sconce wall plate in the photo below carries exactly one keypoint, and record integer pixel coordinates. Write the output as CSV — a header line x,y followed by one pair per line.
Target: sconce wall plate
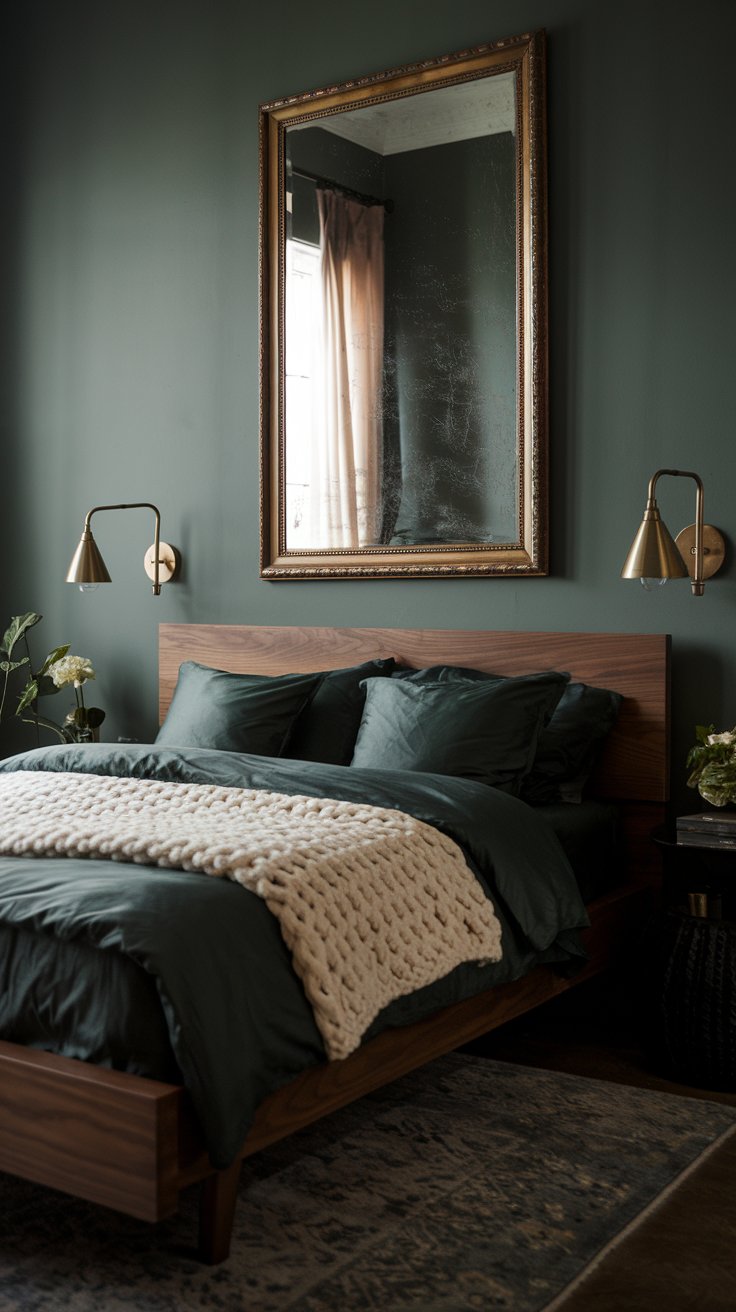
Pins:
x,y
714,549
168,562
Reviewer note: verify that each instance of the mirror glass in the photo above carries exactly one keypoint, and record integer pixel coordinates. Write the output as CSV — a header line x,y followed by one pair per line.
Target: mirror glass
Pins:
x,y
404,393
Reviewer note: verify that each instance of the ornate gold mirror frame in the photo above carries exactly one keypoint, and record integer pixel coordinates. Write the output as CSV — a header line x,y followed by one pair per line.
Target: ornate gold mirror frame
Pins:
x,y
512,543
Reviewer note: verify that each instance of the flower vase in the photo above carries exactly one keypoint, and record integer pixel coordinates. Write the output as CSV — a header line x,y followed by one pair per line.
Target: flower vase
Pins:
x,y
83,724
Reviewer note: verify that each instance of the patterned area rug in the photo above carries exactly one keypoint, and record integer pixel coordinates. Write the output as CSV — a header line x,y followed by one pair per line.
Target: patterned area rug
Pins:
x,y
471,1184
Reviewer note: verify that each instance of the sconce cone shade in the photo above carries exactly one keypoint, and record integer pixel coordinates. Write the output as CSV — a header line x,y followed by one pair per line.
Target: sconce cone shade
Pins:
x,y
87,564
654,554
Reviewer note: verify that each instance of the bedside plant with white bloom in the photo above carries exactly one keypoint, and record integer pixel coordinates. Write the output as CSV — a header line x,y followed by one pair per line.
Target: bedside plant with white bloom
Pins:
x,y
59,670
82,721
713,765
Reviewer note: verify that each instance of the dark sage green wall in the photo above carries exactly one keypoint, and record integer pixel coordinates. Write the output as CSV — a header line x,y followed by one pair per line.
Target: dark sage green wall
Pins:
x,y
450,404
130,333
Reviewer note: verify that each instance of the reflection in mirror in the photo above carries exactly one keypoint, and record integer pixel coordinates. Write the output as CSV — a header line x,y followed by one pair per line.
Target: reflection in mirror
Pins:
x,y
398,437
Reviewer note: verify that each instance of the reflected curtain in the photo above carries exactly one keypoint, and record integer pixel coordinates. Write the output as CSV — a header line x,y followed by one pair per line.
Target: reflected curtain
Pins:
x,y
346,481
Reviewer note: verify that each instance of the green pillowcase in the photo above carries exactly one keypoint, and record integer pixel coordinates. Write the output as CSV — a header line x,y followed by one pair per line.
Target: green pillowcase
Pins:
x,y
234,712
461,673
442,674
328,726
485,730
571,743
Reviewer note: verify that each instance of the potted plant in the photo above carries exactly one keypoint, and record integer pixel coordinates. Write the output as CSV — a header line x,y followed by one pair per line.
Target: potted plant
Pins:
x,y
712,763
59,670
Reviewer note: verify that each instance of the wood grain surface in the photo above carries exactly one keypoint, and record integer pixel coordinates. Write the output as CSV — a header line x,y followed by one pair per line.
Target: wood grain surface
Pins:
x,y
98,1134
635,762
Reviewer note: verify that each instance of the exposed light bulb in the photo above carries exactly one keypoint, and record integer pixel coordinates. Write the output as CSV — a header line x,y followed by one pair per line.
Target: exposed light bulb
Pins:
x,y
88,587
650,584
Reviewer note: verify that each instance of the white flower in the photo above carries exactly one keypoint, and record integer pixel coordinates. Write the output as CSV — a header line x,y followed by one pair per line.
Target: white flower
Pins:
x,y
71,669
728,738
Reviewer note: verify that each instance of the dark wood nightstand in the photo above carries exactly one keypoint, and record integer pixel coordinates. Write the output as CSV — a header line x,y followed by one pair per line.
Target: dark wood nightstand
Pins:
x,y
699,877
694,975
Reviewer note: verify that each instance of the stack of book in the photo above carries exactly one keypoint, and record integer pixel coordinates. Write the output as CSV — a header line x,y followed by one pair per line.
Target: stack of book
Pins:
x,y
712,829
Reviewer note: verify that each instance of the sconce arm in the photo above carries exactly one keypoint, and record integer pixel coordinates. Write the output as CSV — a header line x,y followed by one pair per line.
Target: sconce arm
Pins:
x,y
136,505
697,583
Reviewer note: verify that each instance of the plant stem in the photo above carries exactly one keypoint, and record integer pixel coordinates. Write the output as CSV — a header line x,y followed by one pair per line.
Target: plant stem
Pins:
x,y
49,724
35,704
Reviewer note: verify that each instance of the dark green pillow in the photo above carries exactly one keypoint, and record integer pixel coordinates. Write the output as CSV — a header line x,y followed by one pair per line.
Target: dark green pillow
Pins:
x,y
485,730
461,673
327,727
570,744
441,674
234,712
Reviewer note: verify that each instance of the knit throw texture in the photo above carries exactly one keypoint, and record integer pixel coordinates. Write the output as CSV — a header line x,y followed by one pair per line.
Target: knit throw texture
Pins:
x,y
372,903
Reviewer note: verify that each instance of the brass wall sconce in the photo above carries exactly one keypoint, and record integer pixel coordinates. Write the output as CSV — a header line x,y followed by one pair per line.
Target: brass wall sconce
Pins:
x,y
87,569
698,550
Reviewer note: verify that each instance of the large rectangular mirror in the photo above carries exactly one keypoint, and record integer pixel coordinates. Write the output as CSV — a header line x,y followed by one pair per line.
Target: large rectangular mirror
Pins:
x,y
404,322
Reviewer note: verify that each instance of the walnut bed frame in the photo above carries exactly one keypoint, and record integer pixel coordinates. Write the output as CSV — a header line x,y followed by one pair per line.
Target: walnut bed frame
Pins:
x,y
133,1144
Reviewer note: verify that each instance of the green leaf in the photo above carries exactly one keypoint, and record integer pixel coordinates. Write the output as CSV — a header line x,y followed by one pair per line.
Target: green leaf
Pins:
x,y
85,717
43,723
28,695
46,685
19,624
53,657
717,782
8,666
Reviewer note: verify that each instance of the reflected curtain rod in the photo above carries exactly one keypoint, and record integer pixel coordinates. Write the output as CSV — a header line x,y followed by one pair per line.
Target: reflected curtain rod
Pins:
x,y
388,205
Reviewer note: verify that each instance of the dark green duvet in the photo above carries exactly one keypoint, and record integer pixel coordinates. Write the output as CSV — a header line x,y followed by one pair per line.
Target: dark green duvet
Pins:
x,y
178,975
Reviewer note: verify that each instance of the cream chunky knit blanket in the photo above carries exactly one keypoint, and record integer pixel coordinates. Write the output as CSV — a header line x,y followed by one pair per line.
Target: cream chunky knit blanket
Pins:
x,y
372,903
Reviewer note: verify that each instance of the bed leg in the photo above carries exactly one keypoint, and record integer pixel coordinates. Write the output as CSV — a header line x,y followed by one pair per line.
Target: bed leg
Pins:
x,y
216,1211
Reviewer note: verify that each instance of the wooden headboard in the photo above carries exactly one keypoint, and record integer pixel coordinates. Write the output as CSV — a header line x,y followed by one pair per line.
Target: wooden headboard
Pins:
x,y
635,764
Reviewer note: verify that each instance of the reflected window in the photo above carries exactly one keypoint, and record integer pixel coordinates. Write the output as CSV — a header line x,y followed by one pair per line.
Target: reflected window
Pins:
x,y
302,369
333,377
